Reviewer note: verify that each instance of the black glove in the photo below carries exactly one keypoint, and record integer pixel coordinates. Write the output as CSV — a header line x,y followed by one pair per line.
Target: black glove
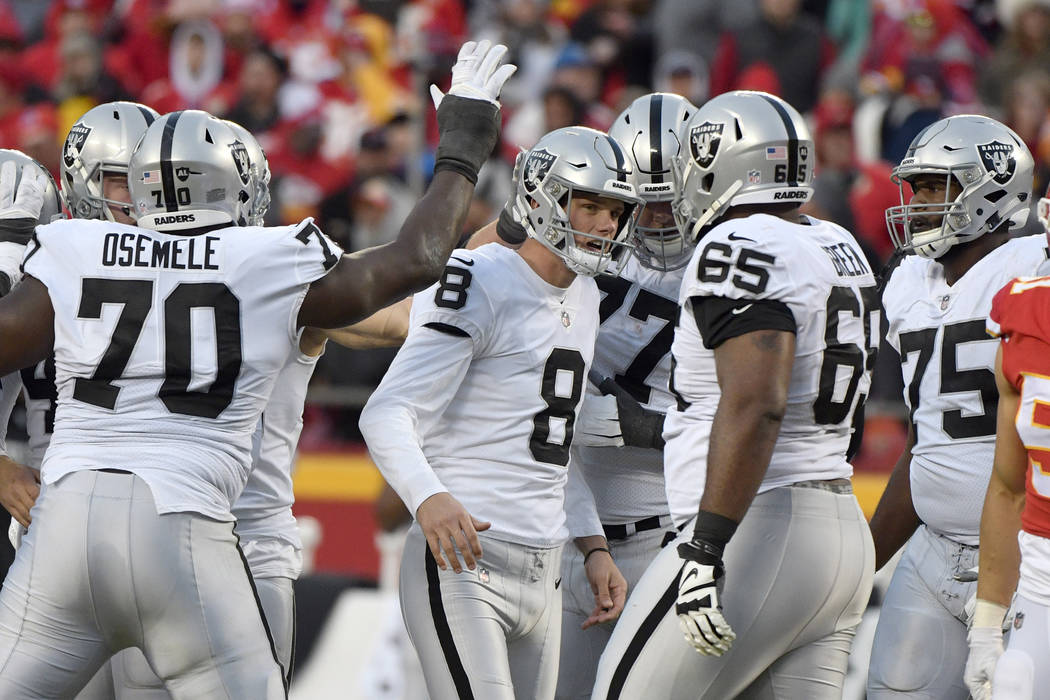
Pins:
x,y
639,426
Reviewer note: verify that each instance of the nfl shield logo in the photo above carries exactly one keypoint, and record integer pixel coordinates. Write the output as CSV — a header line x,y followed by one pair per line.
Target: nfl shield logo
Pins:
x,y
240,158
703,143
537,165
998,159
754,177
74,144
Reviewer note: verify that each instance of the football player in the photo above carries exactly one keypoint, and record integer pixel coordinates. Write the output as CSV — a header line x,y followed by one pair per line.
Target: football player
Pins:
x,y
771,358
37,202
168,338
969,179
1015,521
473,423
633,354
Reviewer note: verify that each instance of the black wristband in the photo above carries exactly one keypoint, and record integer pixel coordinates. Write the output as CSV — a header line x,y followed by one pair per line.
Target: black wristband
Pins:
x,y
469,130
17,230
596,549
5,284
509,230
714,530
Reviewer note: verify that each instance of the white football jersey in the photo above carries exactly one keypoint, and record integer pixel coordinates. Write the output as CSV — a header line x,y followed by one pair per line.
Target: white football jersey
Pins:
x,y
948,364
264,508
41,398
819,273
482,398
167,347
9,387
637,313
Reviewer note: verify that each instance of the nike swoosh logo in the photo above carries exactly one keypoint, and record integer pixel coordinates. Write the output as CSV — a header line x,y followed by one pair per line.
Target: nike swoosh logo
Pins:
x,y
468,263
742,309
557,583
734,237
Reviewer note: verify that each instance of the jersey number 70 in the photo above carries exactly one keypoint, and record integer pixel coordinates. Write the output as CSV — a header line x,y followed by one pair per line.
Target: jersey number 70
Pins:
x,y
136,298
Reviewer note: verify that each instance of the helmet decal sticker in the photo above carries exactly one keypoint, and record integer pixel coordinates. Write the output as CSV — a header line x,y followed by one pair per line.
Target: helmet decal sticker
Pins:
x,y
74,144
998,159
537,165
703,143
241,160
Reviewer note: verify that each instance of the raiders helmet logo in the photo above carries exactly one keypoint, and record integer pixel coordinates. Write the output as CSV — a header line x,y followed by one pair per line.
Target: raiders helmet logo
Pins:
x,y
240,159
75,144
998,159
703,143
537,165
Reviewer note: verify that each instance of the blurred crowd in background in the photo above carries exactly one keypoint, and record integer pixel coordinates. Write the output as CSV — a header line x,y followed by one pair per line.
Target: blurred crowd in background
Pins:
x,y
336,93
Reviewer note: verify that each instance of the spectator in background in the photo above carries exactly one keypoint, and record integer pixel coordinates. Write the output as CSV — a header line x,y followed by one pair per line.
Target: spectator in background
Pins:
x,y
684,73
262,75
83,82
1023,47
783,37
195,75
695,26
618,38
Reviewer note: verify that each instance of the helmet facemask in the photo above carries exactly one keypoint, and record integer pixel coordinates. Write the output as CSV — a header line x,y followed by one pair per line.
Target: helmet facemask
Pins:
x,y
585,254
661,248
984,162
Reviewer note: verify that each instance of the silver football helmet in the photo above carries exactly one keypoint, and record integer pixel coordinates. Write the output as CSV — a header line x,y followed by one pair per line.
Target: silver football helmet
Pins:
x,y
260,168
566,162
648,129
741,147
101,141
190,170
52,205
988,162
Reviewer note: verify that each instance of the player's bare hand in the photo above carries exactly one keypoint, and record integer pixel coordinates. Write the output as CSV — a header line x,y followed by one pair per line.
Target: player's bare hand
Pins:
x,y
19,487
609,588
450,531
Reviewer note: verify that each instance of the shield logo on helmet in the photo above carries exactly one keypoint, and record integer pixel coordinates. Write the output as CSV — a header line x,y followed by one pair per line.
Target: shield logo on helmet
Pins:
x,y
703,143
998,159
74,144
240,159
537,165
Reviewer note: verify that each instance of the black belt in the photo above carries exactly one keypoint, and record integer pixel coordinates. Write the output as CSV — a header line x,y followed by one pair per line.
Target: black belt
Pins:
x,y
622,532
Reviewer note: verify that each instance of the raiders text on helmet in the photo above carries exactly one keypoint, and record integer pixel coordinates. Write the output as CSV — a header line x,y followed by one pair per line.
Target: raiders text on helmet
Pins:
x,y
52,207
649,130
743,147
990,164
100,142
569,161
192,164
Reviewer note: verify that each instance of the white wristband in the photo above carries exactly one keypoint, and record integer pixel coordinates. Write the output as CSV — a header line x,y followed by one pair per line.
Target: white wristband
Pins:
x,y
988,614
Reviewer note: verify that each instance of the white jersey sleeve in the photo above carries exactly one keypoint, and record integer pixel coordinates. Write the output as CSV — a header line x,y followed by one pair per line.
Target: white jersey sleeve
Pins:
x,y
764,272
948,362
167,347
420,383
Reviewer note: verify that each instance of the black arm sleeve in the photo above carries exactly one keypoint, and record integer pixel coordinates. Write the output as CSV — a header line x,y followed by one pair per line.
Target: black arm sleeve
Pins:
x,y
718,319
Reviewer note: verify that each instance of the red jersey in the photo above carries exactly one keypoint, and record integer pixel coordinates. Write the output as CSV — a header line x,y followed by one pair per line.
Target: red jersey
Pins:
x,y
1020,315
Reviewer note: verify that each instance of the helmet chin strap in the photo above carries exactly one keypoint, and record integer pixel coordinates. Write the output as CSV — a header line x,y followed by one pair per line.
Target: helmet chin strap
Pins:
x,y
714,209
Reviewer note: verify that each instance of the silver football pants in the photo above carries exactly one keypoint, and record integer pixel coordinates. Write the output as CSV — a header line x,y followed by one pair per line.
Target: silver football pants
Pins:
x,y
100,571
488,634
798,575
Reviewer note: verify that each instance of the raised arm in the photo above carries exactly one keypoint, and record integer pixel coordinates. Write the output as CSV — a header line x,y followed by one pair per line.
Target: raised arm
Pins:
x,y
468,121
27,325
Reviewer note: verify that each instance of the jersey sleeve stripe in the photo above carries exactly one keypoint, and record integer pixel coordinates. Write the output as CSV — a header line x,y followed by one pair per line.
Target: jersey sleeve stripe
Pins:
x,y
447,328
